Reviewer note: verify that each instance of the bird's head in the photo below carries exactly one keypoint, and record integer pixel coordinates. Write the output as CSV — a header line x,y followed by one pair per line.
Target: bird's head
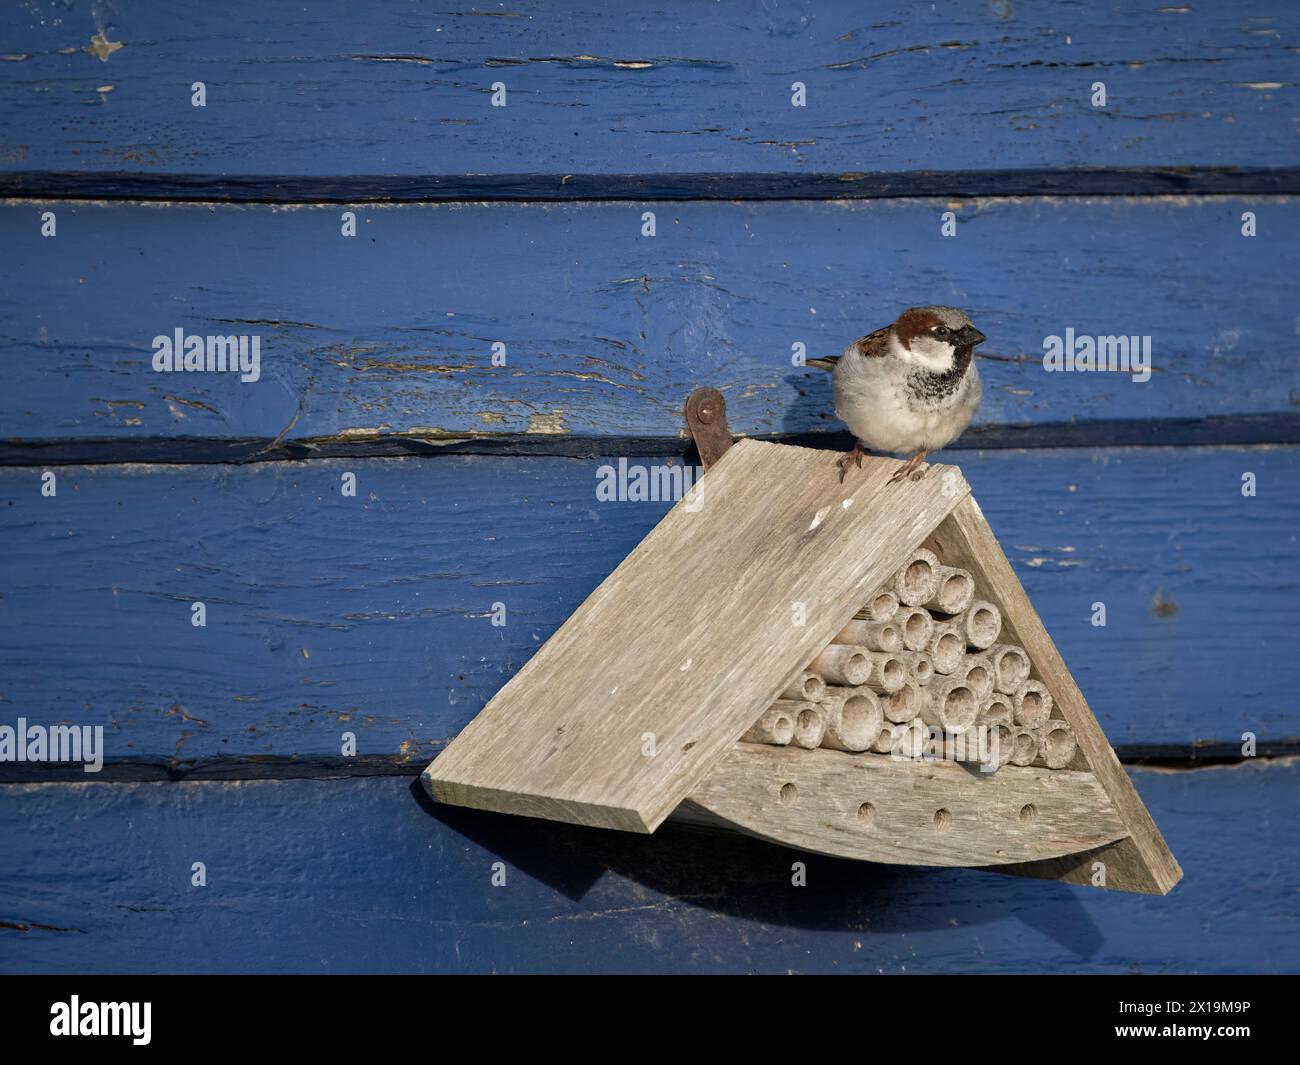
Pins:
x,y
933,338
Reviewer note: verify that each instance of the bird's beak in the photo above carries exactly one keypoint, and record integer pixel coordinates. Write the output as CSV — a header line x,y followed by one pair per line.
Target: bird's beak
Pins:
x,y
970,336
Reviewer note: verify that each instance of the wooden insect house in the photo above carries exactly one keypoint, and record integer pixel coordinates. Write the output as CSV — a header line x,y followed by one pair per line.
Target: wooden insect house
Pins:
x,y
850,668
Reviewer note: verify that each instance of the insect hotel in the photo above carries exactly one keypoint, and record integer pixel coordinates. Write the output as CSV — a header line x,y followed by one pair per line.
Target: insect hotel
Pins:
x,y
848,668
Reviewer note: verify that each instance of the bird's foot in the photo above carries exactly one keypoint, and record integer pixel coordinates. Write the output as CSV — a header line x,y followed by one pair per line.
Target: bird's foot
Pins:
x,y
913,469
854,456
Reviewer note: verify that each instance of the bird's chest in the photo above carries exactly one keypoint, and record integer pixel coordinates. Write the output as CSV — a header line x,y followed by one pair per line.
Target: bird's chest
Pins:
x,y
897,416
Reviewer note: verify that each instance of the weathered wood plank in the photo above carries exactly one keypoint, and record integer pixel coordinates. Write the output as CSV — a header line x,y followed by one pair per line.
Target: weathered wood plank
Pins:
x,y
1141,861
871,807
627,707
893,95
368,876
606,332
328,614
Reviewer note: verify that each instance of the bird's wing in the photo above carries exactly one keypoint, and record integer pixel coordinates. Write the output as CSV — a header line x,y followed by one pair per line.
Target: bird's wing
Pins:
x,y
874,345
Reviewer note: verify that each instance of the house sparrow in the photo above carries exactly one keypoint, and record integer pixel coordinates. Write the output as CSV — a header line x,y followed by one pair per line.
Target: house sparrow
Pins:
x,y
911,386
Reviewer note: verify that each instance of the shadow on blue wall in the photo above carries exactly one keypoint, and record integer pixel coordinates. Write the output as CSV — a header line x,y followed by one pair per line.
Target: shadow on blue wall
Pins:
x,y
740,877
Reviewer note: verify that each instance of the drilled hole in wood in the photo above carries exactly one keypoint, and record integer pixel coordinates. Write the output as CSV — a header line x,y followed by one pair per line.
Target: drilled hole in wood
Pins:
x,y
942,819
789,793
866,812
1027,813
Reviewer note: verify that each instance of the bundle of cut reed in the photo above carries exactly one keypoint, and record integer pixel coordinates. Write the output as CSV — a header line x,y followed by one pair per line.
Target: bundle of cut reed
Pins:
x,y
922,653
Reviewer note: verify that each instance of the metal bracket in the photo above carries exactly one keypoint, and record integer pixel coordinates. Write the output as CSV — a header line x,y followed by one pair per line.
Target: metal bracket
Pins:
x,y
706,418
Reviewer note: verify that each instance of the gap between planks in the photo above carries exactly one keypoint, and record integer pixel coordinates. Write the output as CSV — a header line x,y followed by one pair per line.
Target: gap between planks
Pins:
x,y
217,770
275,190
1264,430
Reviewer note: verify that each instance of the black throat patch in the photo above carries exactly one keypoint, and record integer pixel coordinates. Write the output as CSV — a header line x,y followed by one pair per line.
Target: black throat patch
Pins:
x,y
939,386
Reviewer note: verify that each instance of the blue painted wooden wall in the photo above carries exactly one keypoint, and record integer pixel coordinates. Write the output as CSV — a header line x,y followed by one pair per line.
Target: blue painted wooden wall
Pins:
x,y
478,225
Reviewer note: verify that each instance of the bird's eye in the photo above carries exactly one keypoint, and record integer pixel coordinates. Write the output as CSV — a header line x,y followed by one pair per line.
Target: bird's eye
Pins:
x,y
941,330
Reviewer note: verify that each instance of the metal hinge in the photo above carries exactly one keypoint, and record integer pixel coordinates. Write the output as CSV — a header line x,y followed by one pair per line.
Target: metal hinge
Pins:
x,y
706,418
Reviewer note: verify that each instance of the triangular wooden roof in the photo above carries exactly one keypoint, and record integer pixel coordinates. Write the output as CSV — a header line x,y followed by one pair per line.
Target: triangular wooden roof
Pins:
x,y
690,638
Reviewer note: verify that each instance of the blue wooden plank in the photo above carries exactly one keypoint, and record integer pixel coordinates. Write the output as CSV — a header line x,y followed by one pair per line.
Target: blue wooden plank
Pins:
x,y
365,875
371,614
605,331
403,96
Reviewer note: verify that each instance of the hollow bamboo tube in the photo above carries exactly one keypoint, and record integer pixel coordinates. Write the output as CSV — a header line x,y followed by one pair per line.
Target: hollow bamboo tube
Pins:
x,y
981,623
920,666
874,635
807,687
953,591
916,581
1057,745
776,726
888,673
880,607
853,719
996,709
947,648
809,727
843,664
916,626
1026,746
948,703
903,705
885,740
1010,667
978,673
1000,743
1031,705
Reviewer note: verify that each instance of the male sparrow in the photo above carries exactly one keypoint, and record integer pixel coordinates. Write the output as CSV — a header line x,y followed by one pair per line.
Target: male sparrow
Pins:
x,y
911,386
